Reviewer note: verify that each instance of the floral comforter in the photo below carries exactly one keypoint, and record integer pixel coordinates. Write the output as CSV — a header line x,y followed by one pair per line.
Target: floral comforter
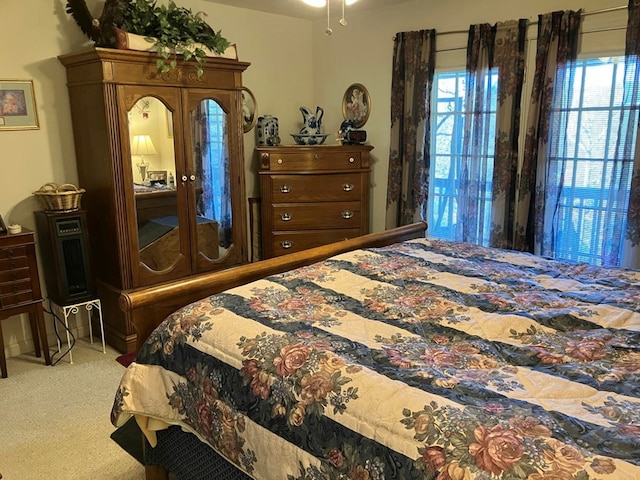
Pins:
x,y
421,360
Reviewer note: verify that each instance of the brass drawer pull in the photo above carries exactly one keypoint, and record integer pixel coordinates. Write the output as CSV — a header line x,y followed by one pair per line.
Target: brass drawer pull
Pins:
x,y
347,214
285,188
285,217
347,187
286,244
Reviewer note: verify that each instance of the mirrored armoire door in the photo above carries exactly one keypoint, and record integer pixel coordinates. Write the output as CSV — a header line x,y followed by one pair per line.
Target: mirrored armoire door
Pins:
x,y
215,193
159,230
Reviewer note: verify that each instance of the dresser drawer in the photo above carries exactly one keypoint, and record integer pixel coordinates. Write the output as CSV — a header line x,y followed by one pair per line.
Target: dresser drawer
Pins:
x,y
316,188
315,160
16,269
13,252
22,285
310,216
289,242
14,299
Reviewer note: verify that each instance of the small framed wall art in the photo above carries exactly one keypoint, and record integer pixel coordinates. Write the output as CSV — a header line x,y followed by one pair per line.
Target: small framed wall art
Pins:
x,y
249,110
356,105
17,105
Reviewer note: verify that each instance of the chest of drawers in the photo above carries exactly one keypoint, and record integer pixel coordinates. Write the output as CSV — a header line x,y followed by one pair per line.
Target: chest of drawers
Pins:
x,y
312,196
20,289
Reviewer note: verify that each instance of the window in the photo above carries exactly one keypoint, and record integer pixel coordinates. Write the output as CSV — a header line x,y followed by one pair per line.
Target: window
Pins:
x,y
586,202
447,130
586,163
446,148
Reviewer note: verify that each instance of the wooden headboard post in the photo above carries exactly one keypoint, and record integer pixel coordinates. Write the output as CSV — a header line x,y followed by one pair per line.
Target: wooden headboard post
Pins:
x,y
150,305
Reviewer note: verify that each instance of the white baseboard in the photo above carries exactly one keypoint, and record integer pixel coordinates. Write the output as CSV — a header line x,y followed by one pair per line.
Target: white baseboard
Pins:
x,y
24,346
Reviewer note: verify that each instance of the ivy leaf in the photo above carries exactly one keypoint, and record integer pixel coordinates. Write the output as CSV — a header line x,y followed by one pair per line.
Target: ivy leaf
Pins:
x,y
172,29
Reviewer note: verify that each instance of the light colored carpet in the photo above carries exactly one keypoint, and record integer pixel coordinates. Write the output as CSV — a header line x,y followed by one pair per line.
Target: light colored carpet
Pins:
x,y
54,421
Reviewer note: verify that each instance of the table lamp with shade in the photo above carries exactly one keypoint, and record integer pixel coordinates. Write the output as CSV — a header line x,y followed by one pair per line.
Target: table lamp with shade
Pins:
x,y
142,145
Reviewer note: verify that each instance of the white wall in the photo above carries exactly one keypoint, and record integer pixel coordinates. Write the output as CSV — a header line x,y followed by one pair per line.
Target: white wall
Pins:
x,y
292,64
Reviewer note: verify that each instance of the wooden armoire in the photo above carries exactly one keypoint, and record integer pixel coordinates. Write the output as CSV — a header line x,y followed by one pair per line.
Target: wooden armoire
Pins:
x,y
170,210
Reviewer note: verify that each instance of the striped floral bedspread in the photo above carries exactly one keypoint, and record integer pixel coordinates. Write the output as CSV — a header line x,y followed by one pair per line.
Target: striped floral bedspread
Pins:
x,y
421,360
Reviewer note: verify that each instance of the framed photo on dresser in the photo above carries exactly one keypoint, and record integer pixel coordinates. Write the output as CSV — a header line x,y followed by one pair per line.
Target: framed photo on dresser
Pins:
x,y
3,227
158,177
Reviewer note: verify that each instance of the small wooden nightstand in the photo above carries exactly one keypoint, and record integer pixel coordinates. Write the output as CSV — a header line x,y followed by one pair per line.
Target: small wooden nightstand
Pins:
x,y
20,289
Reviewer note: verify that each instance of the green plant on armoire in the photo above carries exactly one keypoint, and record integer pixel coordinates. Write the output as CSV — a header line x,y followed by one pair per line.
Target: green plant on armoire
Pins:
x,y
172,30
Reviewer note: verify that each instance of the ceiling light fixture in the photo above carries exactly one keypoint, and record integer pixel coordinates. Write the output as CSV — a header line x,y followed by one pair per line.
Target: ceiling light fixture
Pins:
x,y
328,31
343,21
321,3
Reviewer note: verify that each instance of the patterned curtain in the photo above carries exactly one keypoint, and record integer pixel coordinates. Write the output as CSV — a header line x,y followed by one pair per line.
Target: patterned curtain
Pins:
x,y
623,247
487,185
212,168
412,79
557,46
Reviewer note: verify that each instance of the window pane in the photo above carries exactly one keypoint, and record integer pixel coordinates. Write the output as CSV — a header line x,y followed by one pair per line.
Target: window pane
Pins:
x,y
446,146
588,161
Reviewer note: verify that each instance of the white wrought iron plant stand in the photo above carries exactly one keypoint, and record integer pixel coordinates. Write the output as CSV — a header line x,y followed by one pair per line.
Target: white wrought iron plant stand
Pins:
x,y
74,309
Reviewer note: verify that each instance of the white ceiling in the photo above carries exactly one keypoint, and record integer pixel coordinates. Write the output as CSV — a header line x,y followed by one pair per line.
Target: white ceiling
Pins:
x,y
298,9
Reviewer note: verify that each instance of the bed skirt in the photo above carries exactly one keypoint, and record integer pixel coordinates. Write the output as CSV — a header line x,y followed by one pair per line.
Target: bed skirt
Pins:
x,y
184,455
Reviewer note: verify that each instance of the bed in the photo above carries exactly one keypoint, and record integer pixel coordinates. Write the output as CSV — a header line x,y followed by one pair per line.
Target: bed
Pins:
x,y
393,357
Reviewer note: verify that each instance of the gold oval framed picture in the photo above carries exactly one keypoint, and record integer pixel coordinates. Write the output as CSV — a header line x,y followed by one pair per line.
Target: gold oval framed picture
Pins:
x,y
356,104
249,110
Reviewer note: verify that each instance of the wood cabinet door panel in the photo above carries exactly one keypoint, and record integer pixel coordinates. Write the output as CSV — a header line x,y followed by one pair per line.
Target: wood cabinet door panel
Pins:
x,y
215,174
158,212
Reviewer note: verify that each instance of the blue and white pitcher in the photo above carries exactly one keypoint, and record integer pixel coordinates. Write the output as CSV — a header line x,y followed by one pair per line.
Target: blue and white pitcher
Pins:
x,y
312,122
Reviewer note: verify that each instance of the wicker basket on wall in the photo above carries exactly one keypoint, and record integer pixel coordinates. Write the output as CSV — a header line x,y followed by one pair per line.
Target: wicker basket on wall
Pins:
x,y
59,198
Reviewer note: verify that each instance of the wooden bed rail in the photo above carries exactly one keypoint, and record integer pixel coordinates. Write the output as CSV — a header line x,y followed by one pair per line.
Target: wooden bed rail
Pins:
x,y
147,307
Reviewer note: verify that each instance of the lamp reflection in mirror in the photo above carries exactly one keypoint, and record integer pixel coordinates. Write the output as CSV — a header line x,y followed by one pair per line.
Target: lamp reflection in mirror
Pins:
x,y
142,145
